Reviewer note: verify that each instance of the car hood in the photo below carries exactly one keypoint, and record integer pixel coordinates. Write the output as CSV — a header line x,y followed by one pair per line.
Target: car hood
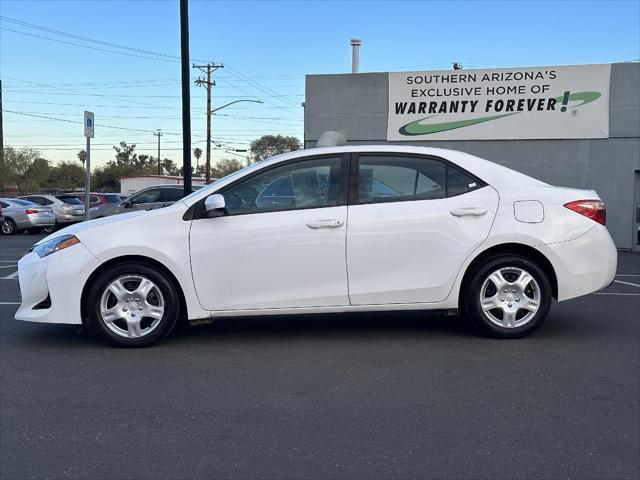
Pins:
x,y
78,228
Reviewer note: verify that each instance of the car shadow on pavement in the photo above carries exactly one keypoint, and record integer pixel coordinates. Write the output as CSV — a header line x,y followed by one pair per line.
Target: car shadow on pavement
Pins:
x,y
345,326
388,324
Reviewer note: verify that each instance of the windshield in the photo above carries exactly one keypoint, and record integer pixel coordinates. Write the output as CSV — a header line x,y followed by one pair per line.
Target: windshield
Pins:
x,y
212,186
112,199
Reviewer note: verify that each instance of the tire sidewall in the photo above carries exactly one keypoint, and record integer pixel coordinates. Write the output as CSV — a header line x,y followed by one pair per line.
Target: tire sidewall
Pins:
x,y
8,221
168,290
471,300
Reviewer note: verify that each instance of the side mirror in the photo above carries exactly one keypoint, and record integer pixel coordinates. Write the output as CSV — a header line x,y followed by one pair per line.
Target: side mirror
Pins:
x,y
127,204
214,205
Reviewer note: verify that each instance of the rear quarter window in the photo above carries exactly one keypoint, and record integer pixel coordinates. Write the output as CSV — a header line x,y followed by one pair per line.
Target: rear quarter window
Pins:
x,y
459,182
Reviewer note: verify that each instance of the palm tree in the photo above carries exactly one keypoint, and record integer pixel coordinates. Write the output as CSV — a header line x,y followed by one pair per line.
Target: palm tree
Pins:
x,y
197,153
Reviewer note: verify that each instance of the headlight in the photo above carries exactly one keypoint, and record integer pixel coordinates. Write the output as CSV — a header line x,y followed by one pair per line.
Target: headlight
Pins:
x,y
55,244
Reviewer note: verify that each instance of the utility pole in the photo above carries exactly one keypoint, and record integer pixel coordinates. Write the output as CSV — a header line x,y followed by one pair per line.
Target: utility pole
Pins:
x,y
159,134
209,68
1,137
186,95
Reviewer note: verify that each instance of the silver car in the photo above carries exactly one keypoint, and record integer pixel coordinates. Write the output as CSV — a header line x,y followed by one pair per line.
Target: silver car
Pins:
x,y
66,207
21,215
146,199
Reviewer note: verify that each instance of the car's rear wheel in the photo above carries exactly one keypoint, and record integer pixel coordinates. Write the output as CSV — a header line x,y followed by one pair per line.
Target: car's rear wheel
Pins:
x,y
508,296
133,305
9,227
48,229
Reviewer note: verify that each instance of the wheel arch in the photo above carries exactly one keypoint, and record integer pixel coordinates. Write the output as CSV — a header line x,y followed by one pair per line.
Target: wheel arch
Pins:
x,y
132,258
513,249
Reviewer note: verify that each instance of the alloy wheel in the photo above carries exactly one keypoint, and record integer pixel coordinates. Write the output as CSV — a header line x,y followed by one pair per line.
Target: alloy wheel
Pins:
x,y
8,227
132,306
510,297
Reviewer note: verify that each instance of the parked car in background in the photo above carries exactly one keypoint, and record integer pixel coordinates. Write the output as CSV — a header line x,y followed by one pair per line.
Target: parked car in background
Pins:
x,y
146,199
19,215
66,207
96,199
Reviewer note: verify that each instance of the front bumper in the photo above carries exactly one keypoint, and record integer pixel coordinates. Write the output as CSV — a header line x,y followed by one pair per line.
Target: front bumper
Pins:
x,y
59,276
583,265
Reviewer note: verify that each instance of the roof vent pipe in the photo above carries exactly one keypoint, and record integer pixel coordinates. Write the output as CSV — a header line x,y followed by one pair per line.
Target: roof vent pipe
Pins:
x,y
355,55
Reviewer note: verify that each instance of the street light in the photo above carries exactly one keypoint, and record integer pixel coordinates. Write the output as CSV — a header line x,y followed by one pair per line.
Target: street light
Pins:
x,y
235,101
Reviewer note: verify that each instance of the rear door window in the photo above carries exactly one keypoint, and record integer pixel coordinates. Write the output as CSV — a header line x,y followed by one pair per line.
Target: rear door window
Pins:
x,y
384,178
68,199
172,194
149,196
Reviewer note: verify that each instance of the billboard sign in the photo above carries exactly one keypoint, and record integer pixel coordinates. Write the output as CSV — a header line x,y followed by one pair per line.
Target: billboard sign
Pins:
x,y
500,104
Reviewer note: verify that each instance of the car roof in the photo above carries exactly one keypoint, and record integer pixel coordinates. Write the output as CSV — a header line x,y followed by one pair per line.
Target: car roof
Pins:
x,y
18,201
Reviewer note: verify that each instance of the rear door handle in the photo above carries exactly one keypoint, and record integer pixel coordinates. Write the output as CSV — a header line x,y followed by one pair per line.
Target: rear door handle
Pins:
x,y
468,211
332,223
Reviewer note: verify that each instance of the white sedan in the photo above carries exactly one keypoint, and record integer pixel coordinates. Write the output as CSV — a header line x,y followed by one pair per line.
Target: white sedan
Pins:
x,y
340,229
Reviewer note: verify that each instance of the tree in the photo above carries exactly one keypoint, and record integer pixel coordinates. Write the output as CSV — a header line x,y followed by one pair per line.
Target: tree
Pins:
x,y
65,176
225,167
125,154
25,168
197,152
270,145
82,156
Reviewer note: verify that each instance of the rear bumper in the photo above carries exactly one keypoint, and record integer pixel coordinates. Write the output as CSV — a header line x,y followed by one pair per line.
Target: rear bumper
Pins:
x,y
59,276
38,221
583,265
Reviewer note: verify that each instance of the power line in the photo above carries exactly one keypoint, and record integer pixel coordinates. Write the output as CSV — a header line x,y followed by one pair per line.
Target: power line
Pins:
x,y
173,58
77,121
83,46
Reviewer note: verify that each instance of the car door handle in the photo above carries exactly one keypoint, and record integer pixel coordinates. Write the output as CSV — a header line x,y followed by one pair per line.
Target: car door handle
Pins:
x,y
333,223
468,211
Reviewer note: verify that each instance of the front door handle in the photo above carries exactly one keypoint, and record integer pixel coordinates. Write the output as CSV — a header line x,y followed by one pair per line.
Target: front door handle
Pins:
x,y
468,211
333,223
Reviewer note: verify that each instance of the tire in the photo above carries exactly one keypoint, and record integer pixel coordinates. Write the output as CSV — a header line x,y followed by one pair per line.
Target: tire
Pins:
x,y
141,294
517,289
49,229
9,227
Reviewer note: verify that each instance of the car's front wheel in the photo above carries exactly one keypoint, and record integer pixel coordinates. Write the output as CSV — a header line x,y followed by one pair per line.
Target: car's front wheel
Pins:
x,y
508,296
133,305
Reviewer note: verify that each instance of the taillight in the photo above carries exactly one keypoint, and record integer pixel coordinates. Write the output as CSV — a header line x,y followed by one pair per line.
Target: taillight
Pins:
x,y
29,211
593,209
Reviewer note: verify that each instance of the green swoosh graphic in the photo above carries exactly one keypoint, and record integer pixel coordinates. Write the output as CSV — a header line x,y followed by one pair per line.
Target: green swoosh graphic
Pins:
x,y
585,97
416,128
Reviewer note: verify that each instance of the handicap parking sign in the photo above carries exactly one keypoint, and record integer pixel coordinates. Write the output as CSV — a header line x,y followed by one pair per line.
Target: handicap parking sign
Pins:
x,y
88,124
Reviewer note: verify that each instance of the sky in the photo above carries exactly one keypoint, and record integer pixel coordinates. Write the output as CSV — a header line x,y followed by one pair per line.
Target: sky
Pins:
x,y
266,48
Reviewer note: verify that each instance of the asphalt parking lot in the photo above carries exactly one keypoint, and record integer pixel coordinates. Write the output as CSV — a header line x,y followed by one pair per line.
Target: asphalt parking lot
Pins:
x,y
402,395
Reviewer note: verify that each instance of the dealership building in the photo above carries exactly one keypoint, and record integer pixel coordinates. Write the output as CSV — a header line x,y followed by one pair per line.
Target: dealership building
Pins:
x,y
574,126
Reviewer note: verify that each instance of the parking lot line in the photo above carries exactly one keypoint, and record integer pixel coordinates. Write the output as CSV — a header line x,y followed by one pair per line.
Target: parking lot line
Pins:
x,y
621,294
11,276
9,303
627,283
